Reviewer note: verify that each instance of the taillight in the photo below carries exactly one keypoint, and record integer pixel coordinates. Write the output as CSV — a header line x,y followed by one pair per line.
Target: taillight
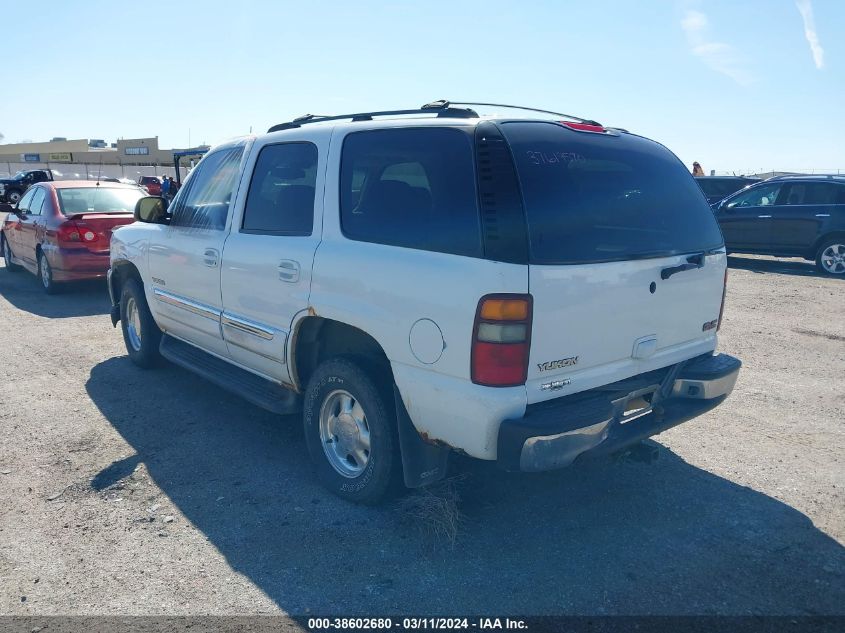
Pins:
x,y
68,232
722,307
501,340
76,233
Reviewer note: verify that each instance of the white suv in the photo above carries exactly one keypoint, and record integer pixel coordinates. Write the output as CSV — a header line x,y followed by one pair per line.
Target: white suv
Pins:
x,y
424,281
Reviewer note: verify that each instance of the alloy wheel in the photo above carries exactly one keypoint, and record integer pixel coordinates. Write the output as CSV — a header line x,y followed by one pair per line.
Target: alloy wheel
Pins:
x,y
344,433
133,324
833,259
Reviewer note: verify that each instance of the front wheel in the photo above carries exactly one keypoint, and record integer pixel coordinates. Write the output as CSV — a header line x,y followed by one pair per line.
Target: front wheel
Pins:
x,y
830,258
7,255
350,429
13,196
45,275
141,335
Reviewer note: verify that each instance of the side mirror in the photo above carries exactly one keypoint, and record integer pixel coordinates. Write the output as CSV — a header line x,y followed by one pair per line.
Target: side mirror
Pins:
x,y
152,210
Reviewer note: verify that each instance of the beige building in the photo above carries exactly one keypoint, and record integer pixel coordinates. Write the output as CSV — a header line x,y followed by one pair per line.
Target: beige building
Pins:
x,y
73,159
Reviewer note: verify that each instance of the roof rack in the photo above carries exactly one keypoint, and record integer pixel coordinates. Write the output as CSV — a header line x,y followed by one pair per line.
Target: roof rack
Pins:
x,y
442,108
516,107
804,176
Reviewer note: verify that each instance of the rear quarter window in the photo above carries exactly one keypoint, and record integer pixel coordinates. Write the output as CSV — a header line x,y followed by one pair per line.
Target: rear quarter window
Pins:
x,y
594,198
411,187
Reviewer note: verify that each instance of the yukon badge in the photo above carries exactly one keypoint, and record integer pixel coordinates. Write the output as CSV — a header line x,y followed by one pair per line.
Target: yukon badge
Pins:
x,y
558,364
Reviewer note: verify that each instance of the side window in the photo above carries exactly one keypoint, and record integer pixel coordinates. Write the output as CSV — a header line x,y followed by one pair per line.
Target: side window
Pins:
x,y
281,193
208,193
26,201
821,193
411,187
762,196
37,201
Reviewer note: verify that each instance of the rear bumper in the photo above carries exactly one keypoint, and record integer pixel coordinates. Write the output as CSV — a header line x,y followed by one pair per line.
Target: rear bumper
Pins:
x,y
71,264
599,422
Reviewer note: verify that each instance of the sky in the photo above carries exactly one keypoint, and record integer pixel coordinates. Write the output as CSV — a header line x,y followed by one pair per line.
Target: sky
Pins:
x,y
740,86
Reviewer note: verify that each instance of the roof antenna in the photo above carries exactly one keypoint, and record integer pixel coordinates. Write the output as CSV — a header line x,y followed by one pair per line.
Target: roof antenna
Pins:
x,y
100,173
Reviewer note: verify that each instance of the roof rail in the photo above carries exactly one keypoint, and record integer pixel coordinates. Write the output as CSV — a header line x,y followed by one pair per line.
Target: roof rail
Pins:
x,y
800,176
442,108
516,107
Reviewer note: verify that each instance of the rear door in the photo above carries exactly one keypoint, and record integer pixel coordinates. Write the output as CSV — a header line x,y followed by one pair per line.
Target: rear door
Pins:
x,y
627,263
14,233
29,226
802,209
266,273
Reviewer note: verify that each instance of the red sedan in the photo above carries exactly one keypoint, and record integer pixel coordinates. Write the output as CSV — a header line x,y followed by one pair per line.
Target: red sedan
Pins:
x,y
61,230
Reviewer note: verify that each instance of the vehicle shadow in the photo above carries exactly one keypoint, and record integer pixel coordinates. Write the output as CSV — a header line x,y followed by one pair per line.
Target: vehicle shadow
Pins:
x,y
778,266
81,298
610,537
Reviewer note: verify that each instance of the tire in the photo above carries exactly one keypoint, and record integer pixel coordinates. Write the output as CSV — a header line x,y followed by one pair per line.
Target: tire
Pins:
x,y
365,475
141,335
830,258
45,275
13,196
7,255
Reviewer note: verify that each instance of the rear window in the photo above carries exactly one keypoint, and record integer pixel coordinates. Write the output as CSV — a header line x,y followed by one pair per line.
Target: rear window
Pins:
x,y
98,200
596,198
411,187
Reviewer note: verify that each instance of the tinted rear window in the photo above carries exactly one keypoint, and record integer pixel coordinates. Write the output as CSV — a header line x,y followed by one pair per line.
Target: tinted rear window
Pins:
x,y
594,198
411,187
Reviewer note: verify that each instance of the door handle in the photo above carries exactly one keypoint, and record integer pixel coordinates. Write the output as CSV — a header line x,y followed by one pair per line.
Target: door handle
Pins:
x,y
289,271
764,216
211,257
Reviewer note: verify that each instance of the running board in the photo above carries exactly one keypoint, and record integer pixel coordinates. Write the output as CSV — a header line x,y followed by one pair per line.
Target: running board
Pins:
x,y
259,391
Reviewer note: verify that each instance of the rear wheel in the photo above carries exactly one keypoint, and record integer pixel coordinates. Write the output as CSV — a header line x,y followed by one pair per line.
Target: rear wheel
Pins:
x,y
45,275
7,255
141,335
830,258
350,429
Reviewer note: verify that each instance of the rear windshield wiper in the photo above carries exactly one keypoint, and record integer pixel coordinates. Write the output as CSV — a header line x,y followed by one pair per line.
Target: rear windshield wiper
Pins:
x,y
693,262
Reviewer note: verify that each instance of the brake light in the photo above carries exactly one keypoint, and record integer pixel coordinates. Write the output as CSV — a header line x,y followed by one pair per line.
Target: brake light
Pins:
x,y
68,232
77,232
501,340
585,127
722,307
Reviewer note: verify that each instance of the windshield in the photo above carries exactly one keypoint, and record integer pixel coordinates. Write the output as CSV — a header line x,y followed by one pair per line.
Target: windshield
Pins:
x,y
98,200
595,198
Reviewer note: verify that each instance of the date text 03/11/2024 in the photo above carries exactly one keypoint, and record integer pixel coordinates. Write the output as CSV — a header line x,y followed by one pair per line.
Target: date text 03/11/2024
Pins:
x,y
382,624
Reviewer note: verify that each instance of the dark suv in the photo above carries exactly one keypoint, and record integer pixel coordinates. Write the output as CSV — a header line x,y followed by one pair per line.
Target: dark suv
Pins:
x,y
789,216
718,187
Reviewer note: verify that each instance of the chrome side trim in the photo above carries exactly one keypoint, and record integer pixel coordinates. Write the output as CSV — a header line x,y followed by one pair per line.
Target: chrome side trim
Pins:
x,y
186,304
250,327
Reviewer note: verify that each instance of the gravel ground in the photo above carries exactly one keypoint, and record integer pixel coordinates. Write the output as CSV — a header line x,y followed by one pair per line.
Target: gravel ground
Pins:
x,y
132,492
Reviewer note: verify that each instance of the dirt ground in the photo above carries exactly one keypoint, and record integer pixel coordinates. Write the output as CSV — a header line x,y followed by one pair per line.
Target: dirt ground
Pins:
x,y
125,491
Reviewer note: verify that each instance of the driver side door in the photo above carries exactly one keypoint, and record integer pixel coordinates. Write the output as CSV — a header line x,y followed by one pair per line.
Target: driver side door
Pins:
x,y
184,256
746,219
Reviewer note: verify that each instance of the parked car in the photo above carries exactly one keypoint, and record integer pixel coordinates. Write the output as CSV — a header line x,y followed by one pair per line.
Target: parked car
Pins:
x,y
789,216
150,184
523,291
12,189
61,230
716,188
